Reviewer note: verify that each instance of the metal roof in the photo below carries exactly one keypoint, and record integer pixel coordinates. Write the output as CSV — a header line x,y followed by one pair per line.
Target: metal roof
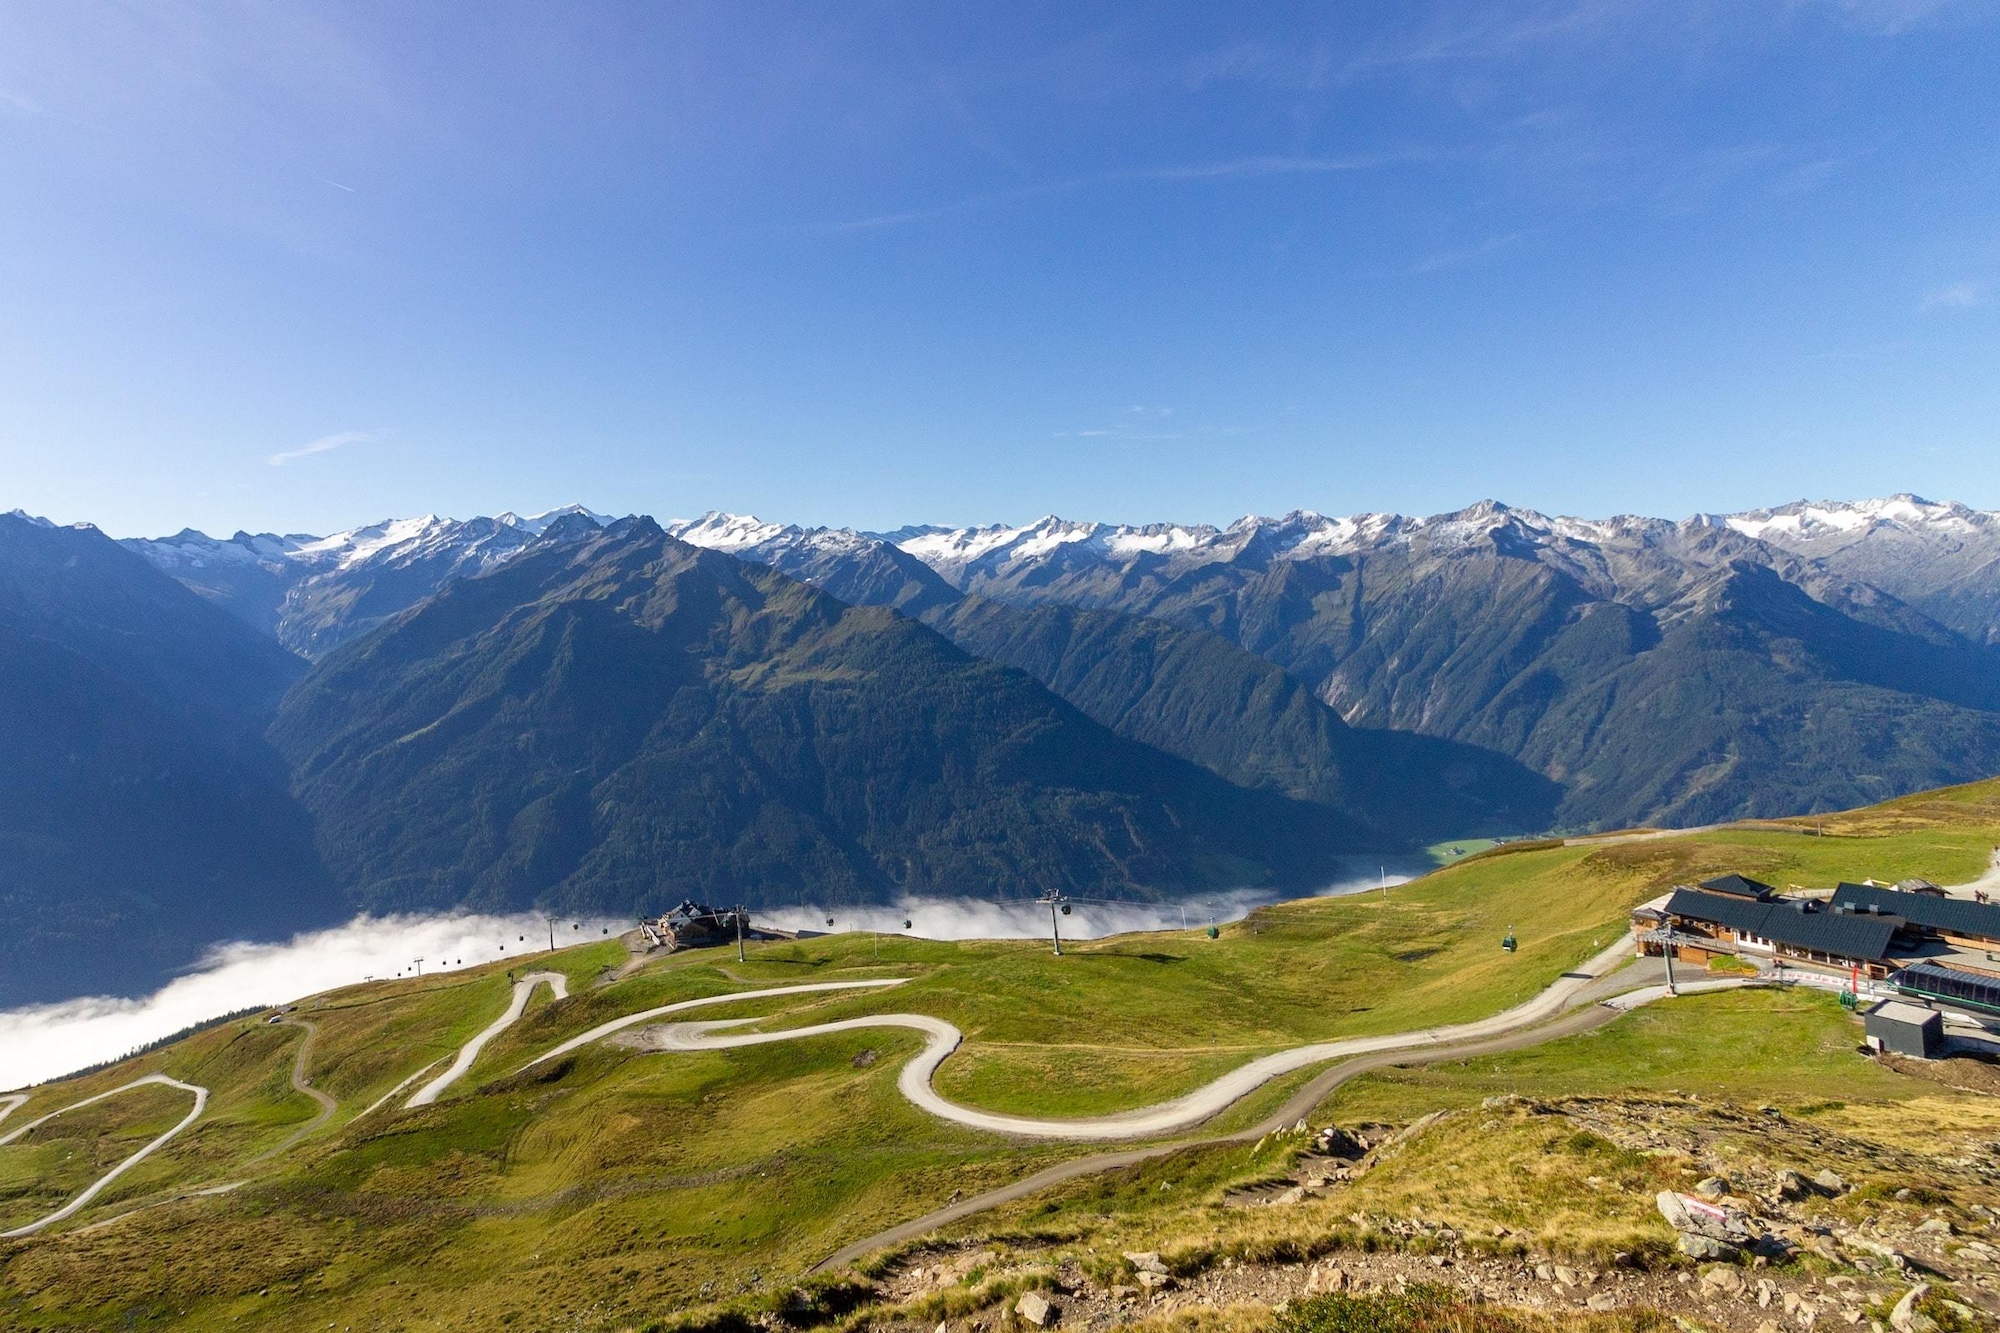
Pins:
x,y
1737,886
1801,923
1954,915
1948,983
1902,1011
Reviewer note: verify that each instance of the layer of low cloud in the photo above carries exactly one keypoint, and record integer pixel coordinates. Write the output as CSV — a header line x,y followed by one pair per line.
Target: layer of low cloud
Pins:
x,y
41,1042
324,444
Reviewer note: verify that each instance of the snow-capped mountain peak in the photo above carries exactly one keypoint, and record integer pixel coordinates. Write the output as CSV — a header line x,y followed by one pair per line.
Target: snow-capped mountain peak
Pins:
x,y
1833,520
720,531
537,524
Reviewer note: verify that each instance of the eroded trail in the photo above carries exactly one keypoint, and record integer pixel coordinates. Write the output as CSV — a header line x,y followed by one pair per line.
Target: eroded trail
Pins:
x,y
300,1083
523,988
82,1200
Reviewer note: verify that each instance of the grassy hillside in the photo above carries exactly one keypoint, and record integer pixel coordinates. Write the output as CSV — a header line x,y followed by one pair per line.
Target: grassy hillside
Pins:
x,y
610,1188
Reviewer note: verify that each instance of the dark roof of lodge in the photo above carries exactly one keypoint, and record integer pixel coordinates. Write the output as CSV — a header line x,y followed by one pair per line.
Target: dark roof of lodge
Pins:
x,y
1799,922
1738,886
1954,915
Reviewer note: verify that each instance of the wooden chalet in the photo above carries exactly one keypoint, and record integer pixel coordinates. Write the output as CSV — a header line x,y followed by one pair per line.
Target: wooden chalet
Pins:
x,y
1742,917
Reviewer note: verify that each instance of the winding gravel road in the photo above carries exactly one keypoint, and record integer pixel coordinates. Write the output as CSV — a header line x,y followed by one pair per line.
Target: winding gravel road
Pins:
x,y
1298,1106
1152,1121
82,1200
603,1030
523,988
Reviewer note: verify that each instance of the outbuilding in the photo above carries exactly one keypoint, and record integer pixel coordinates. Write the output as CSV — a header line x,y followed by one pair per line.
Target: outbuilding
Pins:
x,y
1902,1028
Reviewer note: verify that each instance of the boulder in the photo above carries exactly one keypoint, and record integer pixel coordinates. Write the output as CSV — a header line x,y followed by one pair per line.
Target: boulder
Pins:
x,y
1903,1318
1145,1261
1791,1185
1671,1208
1602,1301
1034,1308
1697,1246
1723,1281
1152,1281
1714,1187
1830,1180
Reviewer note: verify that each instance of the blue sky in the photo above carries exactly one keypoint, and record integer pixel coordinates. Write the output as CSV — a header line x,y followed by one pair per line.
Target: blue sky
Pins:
x,y
299,267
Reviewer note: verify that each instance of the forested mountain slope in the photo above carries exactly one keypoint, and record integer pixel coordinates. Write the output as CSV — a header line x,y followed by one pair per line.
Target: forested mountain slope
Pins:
x,y
620,720
142,815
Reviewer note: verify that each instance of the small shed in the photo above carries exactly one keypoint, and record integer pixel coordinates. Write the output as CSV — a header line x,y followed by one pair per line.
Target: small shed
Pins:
x,y
1902,1028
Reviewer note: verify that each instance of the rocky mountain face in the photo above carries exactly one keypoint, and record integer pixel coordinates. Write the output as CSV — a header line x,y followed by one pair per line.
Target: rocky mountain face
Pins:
x,y
1663,672
1942,559
622,720
1188,692
314,593
142,815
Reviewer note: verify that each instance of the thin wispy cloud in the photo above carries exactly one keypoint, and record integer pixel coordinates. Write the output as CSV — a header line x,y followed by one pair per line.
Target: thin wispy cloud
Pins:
x,y
338,186
1954,296
1450,259
325,444
1241,168
27,106
1134,423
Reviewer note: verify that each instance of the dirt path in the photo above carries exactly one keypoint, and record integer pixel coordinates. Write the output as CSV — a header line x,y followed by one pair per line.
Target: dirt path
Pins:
x,y
1987,883
327,1105
1295,1108
523,988
82,1200
12,1102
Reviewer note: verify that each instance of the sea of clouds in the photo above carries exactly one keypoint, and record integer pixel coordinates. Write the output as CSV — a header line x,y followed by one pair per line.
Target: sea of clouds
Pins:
x,y
40,1042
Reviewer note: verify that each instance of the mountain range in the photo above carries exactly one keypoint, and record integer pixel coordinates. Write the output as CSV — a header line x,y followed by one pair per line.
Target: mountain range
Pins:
x,y
1636,670
220,737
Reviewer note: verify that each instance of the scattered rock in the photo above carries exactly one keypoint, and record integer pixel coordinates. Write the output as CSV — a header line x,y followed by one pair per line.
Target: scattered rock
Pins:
x,y
1152,1281
1145,1261
1934,1227
1903,1318
1334,1141
1035,1308
1121,1292
1725,1281
1791,1185
1830,1180
1697,1246
1566,1276
1714,1187
1602,1301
